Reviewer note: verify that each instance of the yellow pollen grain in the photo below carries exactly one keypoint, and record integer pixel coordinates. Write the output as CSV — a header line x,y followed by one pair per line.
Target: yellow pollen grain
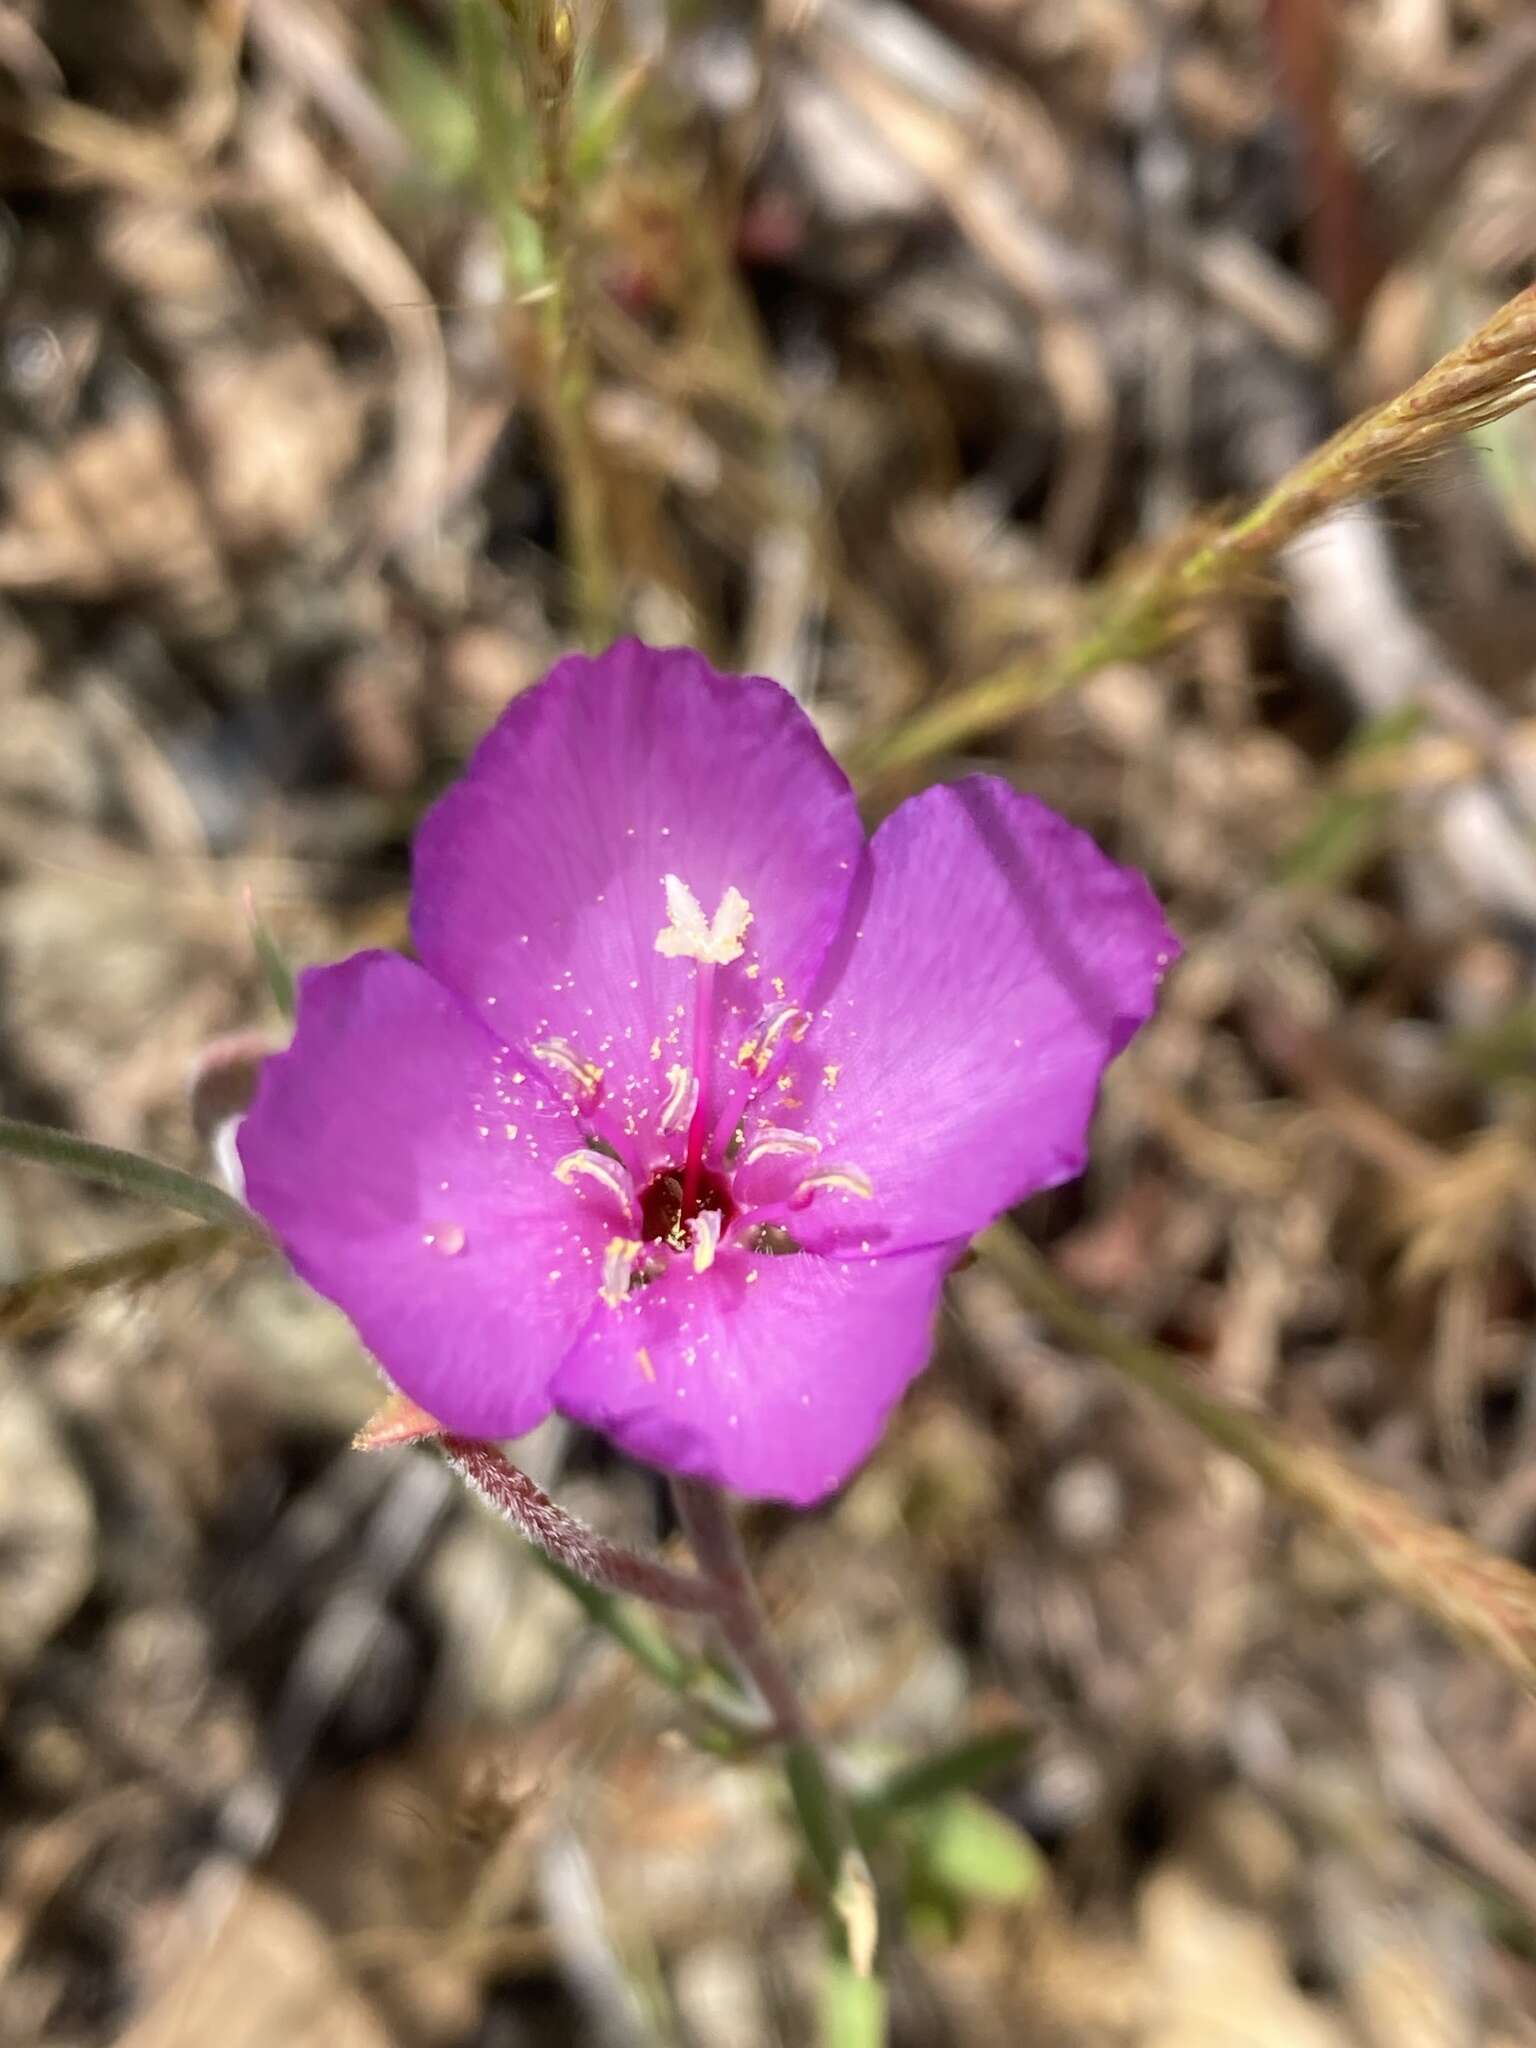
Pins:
x,y
643,1360
830,1072
753,971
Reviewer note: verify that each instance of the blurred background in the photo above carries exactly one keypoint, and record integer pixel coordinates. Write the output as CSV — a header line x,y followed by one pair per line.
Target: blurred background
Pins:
x,y
357,357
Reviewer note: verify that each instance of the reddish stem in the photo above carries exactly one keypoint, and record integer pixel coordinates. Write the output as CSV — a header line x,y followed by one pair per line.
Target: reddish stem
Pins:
x,y
570,1542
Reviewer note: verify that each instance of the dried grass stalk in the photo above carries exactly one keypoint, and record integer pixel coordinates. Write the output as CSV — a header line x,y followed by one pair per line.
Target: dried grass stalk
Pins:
x,y
1486,1600
42,1301
1139,610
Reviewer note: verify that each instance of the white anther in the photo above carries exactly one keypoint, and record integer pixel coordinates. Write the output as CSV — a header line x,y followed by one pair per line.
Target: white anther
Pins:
x,y
758,1050
619,1261
585,1076
682,1099
847,1180
704,1234
773,1141
610,1174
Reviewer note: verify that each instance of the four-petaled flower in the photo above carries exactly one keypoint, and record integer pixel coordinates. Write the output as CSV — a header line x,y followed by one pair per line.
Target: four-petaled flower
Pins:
x,y
696,1095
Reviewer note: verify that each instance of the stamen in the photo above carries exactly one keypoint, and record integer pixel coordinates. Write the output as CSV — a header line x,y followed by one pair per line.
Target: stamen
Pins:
x,y
619,1269
757,1051
609,1173
681,1101
847,1180
773,1141
585,1076
704,1230
689,935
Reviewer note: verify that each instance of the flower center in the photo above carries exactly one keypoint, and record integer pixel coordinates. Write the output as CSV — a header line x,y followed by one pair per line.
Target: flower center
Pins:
x,y
665,1214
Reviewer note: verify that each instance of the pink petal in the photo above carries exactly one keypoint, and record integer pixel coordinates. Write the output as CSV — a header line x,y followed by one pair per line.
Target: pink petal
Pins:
x,y
539,878
772,1376
408,1172
999,963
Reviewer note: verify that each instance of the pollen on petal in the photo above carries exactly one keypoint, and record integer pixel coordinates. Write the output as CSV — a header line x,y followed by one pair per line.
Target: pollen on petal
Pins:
x,y
689,935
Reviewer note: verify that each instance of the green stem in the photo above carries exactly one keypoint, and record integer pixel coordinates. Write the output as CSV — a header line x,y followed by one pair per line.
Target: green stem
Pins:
x,y
825,1819
128,1172
730,1726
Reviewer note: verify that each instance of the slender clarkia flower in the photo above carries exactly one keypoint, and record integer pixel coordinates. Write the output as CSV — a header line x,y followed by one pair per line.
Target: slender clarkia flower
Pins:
x,y
696,1094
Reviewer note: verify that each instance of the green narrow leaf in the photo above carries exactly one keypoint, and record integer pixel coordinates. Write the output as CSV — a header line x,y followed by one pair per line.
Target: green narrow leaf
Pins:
x,y
274,964
426,100
957,1769
816,1809
129,1172
853,2008
968,1849
1347,830
502,150
727,1727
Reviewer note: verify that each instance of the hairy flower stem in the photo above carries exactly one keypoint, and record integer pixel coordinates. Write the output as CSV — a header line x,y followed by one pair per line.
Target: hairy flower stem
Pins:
x,y
820,1808
569,1542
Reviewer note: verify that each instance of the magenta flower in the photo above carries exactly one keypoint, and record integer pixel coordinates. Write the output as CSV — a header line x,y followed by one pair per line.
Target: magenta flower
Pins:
x,y
696,1095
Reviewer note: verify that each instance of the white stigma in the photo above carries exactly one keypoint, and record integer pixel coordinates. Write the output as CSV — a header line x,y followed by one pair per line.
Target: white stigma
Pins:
x,y
689,935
